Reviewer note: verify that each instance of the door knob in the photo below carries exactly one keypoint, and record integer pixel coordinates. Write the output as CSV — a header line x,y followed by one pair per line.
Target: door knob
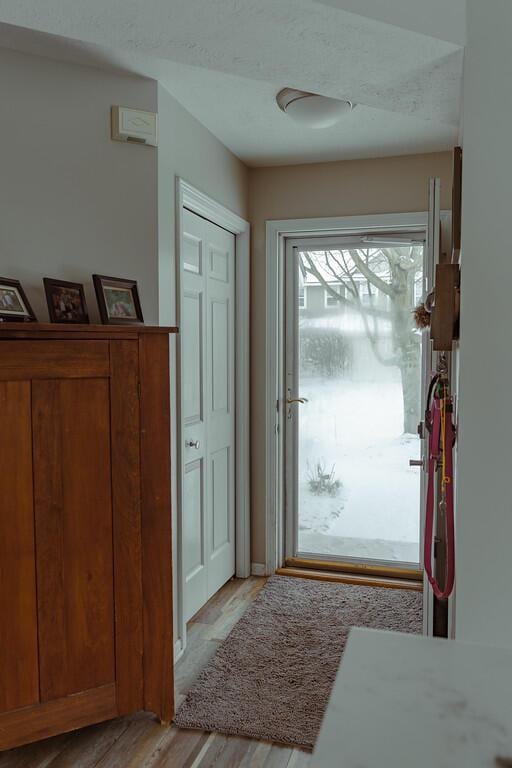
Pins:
x,y
192,443
300,400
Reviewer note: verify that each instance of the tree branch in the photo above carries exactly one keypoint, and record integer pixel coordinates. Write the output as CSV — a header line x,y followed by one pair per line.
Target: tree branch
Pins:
x,y
312,268
371,276
357,304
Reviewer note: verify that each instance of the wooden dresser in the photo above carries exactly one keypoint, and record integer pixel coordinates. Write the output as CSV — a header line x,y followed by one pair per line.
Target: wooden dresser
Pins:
x,y
85,527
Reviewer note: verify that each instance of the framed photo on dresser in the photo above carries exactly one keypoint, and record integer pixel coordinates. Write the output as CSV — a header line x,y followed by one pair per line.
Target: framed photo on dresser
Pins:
x,y
14,305
118,300
66,301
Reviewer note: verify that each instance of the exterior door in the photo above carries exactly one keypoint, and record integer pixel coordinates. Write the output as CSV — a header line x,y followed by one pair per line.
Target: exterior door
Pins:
x,y
355,369
207,526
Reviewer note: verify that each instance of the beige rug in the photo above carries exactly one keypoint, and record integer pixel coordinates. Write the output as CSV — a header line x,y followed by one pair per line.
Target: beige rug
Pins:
x,y
272,676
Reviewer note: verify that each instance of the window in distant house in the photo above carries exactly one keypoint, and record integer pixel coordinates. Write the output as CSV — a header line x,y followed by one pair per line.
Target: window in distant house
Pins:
x,y
418,289
365,295
302,298
330,300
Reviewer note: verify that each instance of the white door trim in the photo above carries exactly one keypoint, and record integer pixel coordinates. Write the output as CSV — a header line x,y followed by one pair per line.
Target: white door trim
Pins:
x,y
191,198
429,360
276,234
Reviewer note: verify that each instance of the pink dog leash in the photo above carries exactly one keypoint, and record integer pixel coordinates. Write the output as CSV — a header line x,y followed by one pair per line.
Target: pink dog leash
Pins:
x,y
441,442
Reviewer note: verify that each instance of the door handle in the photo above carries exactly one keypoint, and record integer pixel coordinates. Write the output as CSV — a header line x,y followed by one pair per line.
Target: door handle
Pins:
x,y
192,443
300,400
417,463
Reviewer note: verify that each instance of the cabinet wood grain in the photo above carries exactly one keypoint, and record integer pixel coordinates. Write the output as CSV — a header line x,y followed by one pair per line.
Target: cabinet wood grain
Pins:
x,y
125,426
53,359
85,528
72,491
33,723
156,527
18,624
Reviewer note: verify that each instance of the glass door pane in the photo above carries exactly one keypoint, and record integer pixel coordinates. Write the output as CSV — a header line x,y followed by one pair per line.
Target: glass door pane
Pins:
x,y
358,370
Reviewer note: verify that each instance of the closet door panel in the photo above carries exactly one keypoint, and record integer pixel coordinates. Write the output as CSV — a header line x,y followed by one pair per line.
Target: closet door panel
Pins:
x,y
18,627
74,549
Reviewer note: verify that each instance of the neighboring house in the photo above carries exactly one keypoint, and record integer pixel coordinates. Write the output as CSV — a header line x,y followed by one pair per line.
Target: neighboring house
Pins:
x,y
316,300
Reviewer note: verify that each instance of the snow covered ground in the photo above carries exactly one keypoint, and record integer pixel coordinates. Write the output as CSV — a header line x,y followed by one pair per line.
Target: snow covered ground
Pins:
x,y
355,423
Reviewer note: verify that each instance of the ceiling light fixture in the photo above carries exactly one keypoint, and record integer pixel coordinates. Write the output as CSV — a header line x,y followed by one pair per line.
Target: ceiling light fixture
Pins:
x,y
311,109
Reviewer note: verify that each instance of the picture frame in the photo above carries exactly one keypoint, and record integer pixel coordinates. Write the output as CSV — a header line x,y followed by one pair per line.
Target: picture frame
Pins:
x,y
118,300
14,305
66,301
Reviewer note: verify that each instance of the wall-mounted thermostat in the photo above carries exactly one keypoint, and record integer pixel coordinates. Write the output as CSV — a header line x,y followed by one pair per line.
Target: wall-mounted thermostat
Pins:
x,y
134,125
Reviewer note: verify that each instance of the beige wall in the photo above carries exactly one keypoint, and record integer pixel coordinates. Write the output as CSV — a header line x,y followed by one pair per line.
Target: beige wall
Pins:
x,y
73,202
69,207
388,185
187,149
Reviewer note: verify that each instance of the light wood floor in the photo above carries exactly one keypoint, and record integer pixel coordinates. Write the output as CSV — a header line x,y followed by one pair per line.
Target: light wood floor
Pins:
x,y
141,742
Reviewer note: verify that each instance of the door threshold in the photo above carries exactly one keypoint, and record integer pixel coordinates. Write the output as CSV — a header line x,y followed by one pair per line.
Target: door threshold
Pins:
x,y
362,569
351,578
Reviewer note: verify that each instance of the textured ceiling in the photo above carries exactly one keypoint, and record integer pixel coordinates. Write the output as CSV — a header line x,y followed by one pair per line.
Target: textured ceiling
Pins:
x,y
226,59
262,135
444,19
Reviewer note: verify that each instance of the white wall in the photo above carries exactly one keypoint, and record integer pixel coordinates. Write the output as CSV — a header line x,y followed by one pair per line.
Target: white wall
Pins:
x,y
187,149
73,202
484,493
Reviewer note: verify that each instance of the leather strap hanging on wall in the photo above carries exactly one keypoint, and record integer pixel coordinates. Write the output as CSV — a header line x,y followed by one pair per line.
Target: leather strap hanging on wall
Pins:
x,y
438,420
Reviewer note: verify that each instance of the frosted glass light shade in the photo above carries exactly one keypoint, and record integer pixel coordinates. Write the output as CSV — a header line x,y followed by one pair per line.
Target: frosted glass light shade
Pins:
x,y
310,109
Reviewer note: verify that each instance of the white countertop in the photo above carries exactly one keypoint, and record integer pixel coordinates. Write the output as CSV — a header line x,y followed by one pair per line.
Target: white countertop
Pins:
x,y
404,701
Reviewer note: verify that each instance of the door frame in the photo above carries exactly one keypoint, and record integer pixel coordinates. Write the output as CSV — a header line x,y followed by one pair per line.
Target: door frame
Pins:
x,y
189,197
290,423
277,232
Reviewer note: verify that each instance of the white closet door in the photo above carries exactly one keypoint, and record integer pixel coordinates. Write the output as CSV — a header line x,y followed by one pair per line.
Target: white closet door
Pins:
x,y
207,405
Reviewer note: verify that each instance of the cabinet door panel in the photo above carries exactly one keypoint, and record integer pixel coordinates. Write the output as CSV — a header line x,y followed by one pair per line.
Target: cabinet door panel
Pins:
x,y
73,514
18,626
124,400
53,360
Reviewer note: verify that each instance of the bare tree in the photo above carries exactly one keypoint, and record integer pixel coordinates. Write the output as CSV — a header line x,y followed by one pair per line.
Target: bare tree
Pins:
x,y
392,272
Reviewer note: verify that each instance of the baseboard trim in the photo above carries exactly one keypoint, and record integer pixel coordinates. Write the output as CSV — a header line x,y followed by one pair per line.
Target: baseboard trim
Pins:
x,y
178,650
258,569
339,578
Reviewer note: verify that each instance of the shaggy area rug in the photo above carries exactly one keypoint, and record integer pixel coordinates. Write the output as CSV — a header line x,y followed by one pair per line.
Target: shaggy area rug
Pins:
x,y
272,676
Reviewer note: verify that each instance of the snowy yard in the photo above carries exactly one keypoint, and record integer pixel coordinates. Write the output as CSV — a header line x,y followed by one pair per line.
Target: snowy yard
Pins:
x,y
359,360
357,427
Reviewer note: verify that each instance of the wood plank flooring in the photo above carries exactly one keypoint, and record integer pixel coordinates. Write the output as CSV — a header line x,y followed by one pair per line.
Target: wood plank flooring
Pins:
x,y
139,741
